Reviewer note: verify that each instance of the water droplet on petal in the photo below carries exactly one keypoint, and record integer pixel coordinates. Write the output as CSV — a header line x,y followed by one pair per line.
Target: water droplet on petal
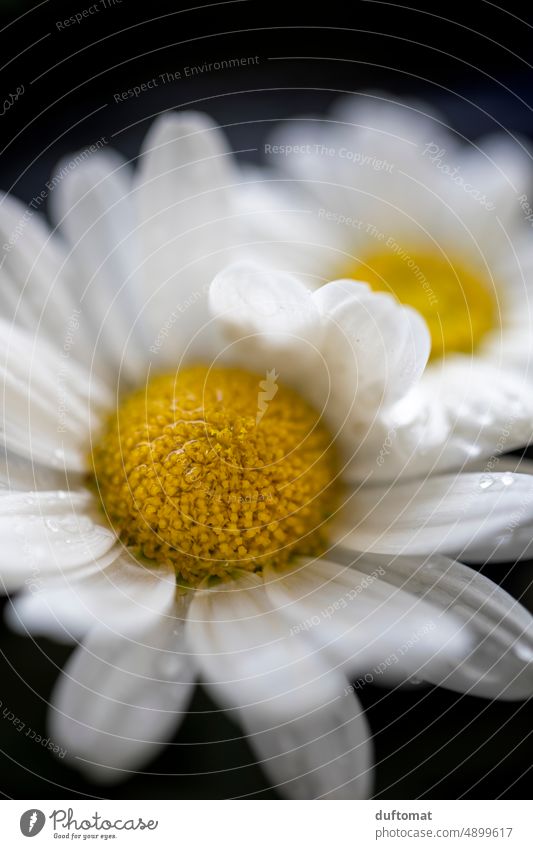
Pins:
x,y
69,524
52,525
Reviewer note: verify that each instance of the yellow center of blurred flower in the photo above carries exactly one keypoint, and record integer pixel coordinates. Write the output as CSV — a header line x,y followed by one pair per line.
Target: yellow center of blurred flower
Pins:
x,y
458,304
216,469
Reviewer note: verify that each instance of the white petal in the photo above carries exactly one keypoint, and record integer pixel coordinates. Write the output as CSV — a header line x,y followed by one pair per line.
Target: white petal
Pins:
x,y
325,754
92,204
37,280
361,162
285,694
249,658
119,699
462,410
294,149
362,621
500,630
377,114
512,344
47,532
47,401
268,319
249,299
375,348
476,517
26,475
286,231
500,170
185,208
122,596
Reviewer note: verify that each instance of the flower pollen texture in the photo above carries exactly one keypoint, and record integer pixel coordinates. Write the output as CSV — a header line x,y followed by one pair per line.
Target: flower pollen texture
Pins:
x,y
198,469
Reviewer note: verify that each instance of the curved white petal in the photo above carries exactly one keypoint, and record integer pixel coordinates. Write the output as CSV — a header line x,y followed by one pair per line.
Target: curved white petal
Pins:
x,y
37,281
462,410
363,622
268,319
380,114
497,170
248,656
121,595
375,349
286,231
185,208
362,160
498,628
26,475
324,754
45,533
119,699
92,204
285,694
47,401
251,300
477,517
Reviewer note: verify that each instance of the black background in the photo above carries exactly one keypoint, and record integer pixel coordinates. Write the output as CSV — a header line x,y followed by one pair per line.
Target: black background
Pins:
x,y
475,64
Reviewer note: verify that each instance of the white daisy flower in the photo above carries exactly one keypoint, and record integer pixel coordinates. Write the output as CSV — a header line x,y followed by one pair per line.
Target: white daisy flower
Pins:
x,y
385,192
199,523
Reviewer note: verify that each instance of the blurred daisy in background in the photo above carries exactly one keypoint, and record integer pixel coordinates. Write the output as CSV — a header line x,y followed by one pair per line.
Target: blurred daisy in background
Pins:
x,y
385,192
186,485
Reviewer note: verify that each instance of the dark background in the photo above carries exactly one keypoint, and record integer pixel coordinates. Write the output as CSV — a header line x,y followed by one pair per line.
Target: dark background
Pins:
x,y
475,64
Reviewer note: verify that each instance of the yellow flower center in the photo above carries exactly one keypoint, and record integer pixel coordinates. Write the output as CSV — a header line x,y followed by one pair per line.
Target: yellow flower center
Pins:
x,y
216,469
458,304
